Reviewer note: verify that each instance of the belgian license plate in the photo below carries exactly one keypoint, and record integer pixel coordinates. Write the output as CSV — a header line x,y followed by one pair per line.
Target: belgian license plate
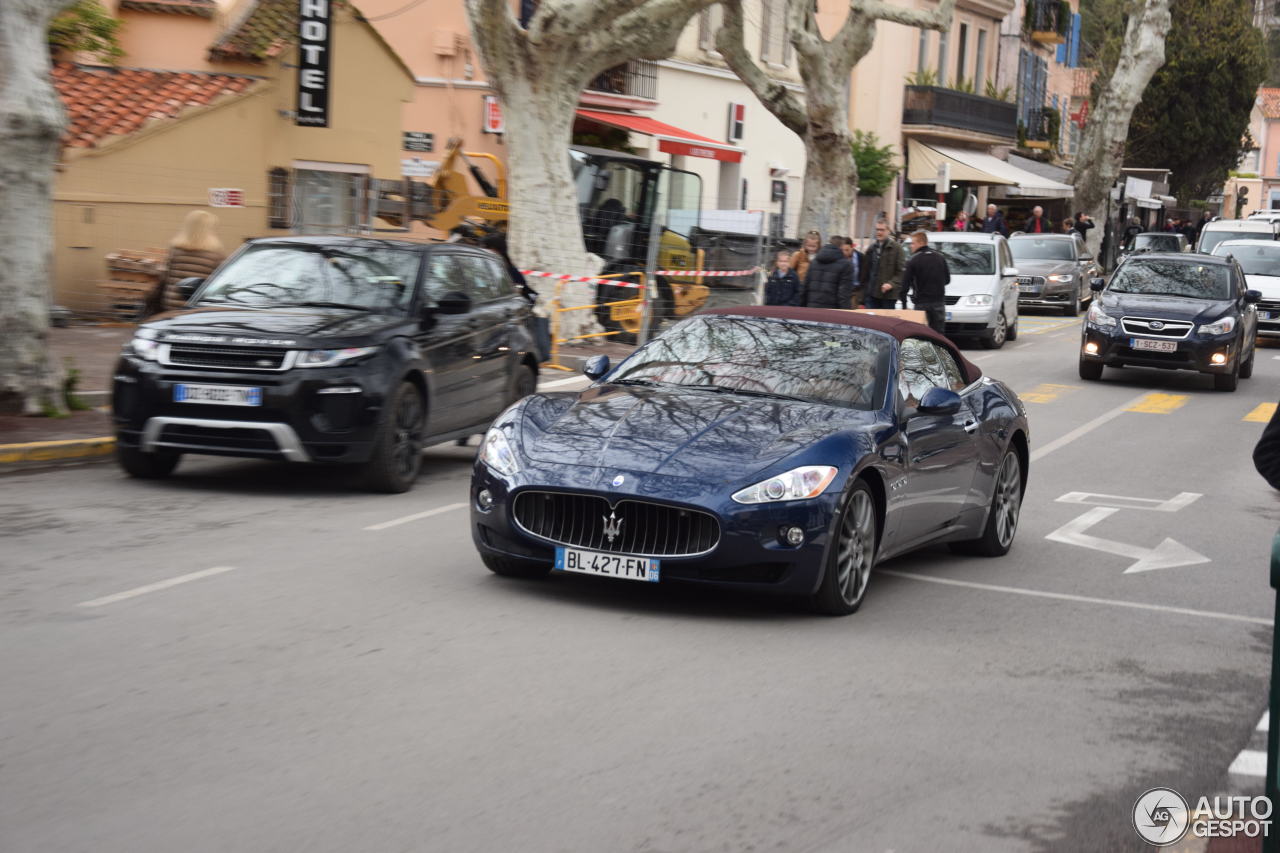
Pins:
x,y
609,565
1153,346
218,395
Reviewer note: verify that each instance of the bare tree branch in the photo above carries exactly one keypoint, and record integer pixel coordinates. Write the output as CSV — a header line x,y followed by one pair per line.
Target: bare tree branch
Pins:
x,y
777,98
932,19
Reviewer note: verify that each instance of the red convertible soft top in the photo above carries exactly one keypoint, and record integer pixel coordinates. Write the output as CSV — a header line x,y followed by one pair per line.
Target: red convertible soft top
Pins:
x,y
893,326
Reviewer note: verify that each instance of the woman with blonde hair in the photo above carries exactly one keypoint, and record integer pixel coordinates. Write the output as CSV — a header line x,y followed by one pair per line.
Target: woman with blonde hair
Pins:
x,y
195,251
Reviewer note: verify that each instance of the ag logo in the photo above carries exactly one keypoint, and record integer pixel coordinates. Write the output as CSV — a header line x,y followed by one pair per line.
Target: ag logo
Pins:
x,y
1161,817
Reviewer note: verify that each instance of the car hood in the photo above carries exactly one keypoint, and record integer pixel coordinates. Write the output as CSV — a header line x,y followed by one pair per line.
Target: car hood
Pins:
x,y
1043,267
1267,285
1165,307
962,285
286,327
713,438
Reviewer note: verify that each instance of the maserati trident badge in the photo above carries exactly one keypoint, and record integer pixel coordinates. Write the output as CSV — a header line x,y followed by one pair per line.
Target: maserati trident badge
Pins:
x,y
612,526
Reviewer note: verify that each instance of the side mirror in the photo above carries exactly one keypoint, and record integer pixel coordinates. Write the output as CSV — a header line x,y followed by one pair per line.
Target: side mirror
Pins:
x,y
188,286
1096,284
596,366
454,302
1252,297
1011,271
940,401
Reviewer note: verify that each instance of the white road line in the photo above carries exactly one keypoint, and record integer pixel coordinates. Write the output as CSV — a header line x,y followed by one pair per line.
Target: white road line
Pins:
x,y
155,587
559,383
440,510
1081,599
1249,762
980,357
1084,429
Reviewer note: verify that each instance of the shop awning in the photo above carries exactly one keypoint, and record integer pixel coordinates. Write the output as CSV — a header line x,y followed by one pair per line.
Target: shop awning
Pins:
x,y
979,168
671,139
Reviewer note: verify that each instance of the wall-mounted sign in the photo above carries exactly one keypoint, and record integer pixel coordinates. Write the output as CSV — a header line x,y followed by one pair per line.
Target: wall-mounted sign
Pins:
x,y
225,197
942,181
494,122
314,27
415,141
737,118
778,190
416,167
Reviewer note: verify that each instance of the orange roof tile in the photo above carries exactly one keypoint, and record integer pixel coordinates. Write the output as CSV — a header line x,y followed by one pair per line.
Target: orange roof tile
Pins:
x,y
1269,102
104,102
200,8
261,33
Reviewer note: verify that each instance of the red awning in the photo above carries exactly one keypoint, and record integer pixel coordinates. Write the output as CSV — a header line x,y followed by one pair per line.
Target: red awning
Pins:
x,y
671,139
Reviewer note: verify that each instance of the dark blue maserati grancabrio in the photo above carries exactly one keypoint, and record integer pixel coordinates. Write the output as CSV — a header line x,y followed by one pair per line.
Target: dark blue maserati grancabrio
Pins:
x,y
767,449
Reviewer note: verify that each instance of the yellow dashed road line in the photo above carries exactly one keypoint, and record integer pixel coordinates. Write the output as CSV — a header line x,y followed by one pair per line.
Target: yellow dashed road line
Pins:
x,y
1047,392
1037,329
1159,404
1262,414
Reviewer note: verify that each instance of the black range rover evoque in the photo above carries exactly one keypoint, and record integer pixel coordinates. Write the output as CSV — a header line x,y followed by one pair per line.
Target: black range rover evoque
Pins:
x,y
327,349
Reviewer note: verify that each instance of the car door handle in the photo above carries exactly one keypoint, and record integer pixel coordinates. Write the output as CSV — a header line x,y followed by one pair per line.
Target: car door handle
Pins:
x,y
970,426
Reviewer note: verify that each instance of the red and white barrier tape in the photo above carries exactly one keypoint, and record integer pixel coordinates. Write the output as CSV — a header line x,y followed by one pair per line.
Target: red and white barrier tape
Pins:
x,y
714,273
618,283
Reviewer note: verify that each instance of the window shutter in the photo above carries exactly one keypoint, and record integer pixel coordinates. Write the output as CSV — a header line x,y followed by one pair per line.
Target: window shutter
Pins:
x,y
766,24
278,198
1073,58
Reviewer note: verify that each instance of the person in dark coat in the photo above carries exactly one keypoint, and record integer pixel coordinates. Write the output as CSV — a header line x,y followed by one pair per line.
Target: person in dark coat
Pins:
x,y
194,252
1037,224
882,269
782,287
855,257
1266,456
925,281
829,282
994,223
1082,225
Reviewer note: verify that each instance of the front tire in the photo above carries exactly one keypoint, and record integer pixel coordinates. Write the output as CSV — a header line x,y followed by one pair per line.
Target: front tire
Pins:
x,y
996,337
1002,517
1072,308
851,555
523,383
511,567
397,452
147,466
1226,381
1090,370
1246,368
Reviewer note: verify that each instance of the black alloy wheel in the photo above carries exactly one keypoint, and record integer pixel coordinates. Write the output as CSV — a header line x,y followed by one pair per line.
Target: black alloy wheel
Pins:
x,y
397,455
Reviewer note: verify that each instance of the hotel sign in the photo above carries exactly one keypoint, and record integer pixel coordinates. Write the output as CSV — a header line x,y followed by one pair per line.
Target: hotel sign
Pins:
x,y
314,26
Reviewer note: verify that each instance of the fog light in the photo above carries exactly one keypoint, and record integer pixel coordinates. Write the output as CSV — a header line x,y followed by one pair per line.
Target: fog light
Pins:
x,y
1091,348
1218,358
792,535
484,499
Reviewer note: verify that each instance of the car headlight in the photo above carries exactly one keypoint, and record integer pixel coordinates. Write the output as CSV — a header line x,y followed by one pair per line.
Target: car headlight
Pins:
x,y
979,299
145,345
794,485
1098,317
1060,278
1218,327
496,452
330,357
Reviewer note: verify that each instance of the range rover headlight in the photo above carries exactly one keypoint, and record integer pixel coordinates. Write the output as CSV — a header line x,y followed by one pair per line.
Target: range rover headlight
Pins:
x,y
979,299
794,485
496,452
1218,327
330,357
1098,317
144,344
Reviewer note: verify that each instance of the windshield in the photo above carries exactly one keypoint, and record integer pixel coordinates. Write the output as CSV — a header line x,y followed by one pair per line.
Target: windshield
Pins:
x,y
1041,249
1209,239
1173,278
840,365
366,277
967,258
1157,242
1255,260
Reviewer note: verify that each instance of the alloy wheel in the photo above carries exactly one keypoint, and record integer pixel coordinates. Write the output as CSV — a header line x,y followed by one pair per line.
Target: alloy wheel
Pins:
x,y
1008,499
857,548
408,434
1001,330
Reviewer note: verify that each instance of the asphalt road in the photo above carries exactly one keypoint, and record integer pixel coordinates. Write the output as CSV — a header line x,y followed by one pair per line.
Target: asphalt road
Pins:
x,y
344,674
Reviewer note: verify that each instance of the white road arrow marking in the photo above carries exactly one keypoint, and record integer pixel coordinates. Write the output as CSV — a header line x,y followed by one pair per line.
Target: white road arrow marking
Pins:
x,y
1166,555
1179,501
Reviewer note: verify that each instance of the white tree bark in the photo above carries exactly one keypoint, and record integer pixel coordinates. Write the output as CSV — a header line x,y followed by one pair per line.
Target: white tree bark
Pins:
x,y
1101,151
821,117
31,125
539,74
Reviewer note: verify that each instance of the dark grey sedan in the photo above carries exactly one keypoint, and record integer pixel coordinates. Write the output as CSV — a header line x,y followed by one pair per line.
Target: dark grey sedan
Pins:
x,y
1054,271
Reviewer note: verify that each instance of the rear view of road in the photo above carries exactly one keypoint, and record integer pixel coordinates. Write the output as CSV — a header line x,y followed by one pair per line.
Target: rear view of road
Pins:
x,y
252,657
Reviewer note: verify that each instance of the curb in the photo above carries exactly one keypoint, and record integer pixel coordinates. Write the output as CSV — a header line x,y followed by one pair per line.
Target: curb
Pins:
x,y
36,454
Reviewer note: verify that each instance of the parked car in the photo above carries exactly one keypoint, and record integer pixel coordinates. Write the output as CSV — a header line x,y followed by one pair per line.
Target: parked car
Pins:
x,y
1233,229
1155,241
1173,311
982,298
1054,271
326,349
770,449
1260,261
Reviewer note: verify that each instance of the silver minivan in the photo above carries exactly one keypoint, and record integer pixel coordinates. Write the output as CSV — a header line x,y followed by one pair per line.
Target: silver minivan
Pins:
x,y
982,298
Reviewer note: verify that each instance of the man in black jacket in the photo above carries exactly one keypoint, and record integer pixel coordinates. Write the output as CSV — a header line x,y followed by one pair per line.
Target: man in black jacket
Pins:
x,y
829,281
1266,456
925,281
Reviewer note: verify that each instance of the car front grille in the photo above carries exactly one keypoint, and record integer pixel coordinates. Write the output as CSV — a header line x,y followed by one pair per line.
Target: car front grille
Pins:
x,y
1269,305
250,441
1153,327
227,358
951,300
640,528
1034,280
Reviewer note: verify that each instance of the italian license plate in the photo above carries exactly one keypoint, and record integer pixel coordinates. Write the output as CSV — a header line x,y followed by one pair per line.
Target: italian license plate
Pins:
x,y
1153,346
218,395
609,565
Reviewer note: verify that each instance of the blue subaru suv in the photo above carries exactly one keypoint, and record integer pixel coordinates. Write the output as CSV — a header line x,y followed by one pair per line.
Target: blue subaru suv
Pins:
x,y
1173,311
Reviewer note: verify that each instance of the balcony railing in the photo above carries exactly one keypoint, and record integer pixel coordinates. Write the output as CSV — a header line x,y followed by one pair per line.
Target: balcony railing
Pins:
x,y
1048,21
636,79
933,105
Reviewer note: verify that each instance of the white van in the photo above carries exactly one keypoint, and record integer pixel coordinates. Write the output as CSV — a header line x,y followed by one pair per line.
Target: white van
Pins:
x,y
1233,229
982,298
1260,262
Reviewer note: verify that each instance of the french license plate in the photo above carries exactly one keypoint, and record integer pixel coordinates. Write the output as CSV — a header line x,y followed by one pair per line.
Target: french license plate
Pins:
x,y
218,395
609,565
1028,288
1153,346
1266,315
948,316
